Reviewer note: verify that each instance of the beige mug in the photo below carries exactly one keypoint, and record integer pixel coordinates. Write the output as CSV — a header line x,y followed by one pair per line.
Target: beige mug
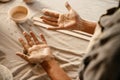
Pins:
x,y
19,14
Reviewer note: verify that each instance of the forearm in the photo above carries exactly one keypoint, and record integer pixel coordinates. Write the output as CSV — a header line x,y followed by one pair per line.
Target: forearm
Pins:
x,y
87,26
54,71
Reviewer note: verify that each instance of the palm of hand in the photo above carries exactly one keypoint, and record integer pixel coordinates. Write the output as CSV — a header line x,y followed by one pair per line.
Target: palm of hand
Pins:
x,y
61,21
34,52
68,21
38,53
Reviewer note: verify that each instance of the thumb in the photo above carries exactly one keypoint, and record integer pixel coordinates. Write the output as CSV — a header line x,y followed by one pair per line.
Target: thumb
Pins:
x,y
67,5
23,56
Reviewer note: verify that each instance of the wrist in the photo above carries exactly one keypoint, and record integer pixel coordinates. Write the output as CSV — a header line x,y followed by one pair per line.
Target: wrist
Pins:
x,y
49,65
52,68
80,25
48,58
86,26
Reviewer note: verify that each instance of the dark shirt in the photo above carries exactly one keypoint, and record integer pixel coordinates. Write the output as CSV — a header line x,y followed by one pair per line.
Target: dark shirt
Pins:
x,y
103,61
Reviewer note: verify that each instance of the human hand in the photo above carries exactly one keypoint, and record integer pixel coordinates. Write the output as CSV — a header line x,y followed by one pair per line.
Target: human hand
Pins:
x,y
34,51
69,21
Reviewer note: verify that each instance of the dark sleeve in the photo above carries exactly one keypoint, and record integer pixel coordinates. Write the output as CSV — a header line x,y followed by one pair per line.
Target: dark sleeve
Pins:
x,y
103,61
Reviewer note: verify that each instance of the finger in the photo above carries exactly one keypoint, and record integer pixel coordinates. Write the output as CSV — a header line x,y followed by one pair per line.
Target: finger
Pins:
x,y
49,18
43,39
50,22
61,19
34,38
28,38
23,56
24,44
51,13
68,6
